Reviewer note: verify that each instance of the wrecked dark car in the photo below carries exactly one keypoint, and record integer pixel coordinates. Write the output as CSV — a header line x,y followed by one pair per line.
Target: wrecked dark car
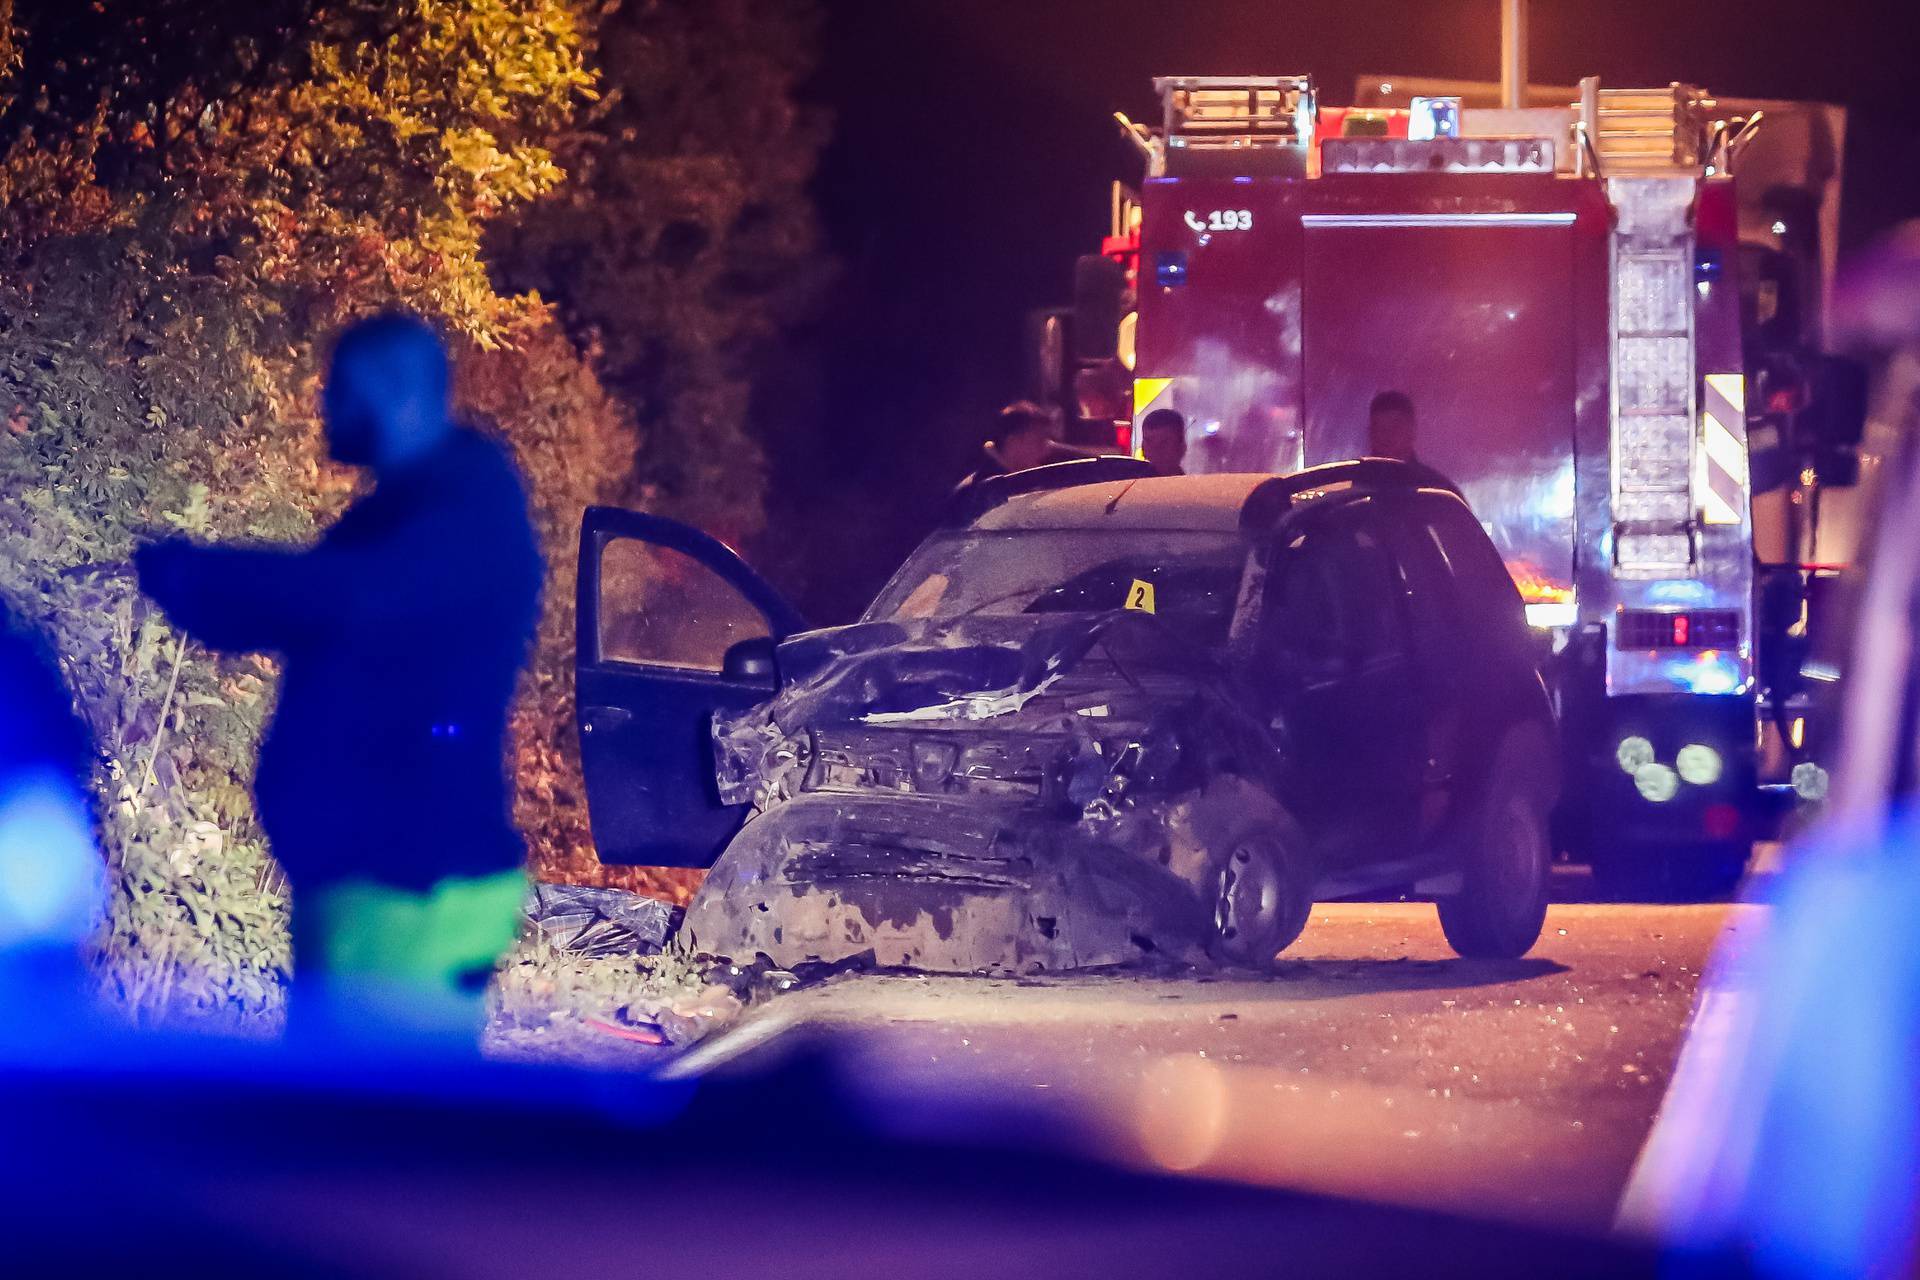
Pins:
x,y
1102,718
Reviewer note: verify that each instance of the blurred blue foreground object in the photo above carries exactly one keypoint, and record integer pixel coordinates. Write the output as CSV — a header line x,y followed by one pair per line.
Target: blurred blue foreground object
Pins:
x,y
50,870
1792,1133
263,1164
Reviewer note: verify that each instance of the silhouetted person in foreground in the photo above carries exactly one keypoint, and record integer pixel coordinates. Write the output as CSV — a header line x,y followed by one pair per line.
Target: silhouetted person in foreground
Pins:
x,y
1391,428
1163,442
381,783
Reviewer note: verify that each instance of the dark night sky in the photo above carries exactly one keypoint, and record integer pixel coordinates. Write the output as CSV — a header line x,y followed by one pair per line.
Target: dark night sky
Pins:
x,y
973,151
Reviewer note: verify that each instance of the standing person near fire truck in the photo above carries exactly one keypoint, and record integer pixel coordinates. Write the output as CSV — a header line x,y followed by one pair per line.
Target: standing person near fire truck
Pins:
x,y
1163,442
1392,429
1026,435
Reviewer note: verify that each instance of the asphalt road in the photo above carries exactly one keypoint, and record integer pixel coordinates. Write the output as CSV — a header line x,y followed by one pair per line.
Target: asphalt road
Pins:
x,y
1374,1063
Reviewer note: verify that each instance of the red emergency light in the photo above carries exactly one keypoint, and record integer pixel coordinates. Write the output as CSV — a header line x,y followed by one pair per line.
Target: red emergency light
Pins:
x,y
1665,629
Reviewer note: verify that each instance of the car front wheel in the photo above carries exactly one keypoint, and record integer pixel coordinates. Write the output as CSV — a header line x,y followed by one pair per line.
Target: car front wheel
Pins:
x,y
1262,898
1502,903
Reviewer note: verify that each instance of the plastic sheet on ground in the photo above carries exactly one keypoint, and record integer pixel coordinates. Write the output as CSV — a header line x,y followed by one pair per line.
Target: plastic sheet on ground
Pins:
x,y
601,922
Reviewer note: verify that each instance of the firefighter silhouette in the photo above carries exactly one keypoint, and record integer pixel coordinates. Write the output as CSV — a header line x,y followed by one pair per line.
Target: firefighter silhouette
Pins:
x,y
381,783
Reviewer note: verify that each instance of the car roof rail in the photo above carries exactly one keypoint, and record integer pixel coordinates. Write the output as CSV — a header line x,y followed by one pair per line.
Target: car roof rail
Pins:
x,y
981,496
1273,499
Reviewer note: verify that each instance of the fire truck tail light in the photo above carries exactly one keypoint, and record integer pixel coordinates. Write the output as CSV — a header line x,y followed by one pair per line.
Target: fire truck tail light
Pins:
x,y
1633,754
1656,782
1699,765
1660,629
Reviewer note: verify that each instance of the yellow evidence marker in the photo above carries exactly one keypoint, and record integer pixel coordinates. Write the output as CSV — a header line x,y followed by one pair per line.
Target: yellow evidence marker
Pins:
x,y
1140,596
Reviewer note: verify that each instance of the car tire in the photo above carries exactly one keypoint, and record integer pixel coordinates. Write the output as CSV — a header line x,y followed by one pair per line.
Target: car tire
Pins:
x,y
1263,893
1502,903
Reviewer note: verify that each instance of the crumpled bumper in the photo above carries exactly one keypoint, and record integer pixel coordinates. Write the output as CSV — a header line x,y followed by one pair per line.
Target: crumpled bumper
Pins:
x,y
943,886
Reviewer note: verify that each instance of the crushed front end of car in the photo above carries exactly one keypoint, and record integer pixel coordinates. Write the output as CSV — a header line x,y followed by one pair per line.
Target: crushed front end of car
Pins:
x,y
980,795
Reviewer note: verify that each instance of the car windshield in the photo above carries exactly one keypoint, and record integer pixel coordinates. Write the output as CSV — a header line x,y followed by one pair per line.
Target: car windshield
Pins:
x,y
1187,578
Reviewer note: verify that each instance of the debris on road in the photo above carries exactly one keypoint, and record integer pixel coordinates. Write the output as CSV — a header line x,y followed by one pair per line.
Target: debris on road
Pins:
x,y
621,1010
645,1033
586,921
595,999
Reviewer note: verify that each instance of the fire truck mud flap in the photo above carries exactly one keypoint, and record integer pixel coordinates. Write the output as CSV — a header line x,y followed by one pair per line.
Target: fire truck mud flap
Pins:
x,y
934,885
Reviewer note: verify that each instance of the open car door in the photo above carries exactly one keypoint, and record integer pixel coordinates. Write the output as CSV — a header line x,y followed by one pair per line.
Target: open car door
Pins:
x,y
673,626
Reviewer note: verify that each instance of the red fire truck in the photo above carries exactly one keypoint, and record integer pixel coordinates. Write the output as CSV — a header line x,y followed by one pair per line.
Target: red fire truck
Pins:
x,y
1610,343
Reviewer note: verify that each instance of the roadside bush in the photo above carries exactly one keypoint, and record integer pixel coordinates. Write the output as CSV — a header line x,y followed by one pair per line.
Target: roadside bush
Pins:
x,y
174,240
683,254
184,218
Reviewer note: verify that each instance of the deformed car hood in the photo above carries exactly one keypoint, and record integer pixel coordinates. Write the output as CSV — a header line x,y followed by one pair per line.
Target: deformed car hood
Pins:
x,y
961,668
948,671
1063,821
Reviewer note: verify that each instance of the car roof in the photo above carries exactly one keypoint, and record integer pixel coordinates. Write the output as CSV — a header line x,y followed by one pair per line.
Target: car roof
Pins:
x,y
1210,503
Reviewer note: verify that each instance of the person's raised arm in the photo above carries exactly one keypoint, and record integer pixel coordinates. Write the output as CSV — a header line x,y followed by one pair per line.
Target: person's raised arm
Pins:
x,y
234,598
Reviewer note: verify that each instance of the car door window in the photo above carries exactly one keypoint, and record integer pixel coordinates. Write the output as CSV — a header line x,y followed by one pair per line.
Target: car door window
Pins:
x,y
1333,599
1370,598
661,607
1485,587
1428,586
1303,603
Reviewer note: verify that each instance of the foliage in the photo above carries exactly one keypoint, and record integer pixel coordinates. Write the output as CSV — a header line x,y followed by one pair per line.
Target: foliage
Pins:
x,y
115,429
570,437
195,928
174,238
684,248
183,219
681,254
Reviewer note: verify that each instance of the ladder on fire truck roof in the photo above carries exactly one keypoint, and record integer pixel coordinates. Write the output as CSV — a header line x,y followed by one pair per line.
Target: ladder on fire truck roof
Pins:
x,y
1651,147
1653,375
1236,125
1650,130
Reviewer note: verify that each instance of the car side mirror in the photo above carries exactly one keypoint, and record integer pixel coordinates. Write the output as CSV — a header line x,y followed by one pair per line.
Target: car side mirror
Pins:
x,y
750,661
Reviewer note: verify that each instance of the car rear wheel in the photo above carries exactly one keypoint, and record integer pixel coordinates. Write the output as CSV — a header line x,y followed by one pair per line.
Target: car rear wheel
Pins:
x,y
1502,903
1262,896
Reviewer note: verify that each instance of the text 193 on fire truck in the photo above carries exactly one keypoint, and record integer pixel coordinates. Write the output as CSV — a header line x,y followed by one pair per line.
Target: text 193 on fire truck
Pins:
x,y
1605,306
